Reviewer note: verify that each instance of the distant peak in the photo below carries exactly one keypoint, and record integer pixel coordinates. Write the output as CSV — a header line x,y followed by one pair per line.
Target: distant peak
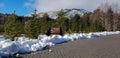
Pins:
x,y
68,12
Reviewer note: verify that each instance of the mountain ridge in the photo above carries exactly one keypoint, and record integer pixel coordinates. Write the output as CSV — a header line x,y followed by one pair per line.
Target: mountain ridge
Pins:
x,y
68,12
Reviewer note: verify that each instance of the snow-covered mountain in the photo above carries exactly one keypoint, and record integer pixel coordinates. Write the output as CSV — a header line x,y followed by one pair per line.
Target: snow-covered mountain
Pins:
x,y
69,13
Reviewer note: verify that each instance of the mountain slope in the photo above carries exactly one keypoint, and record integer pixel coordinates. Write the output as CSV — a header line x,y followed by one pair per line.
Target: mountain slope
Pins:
x,y
69,13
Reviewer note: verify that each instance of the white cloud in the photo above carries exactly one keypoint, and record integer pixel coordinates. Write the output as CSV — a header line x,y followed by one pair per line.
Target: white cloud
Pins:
x,y
30,4
50,5
27,4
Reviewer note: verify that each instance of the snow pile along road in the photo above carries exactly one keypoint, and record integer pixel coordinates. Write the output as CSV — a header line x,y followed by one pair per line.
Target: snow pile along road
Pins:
x,y
25,45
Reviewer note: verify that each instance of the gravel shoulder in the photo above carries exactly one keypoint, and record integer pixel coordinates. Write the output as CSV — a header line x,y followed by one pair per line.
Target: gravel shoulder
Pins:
x,y
102,47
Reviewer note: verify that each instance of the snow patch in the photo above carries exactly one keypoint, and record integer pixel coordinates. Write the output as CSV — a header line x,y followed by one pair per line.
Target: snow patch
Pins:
x,y
68,13
25,45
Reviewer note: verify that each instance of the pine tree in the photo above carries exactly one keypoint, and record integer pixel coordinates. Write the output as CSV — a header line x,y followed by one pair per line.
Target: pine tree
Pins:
x,y
67,25
75,23
13,27
45,23
96,26
62,21
85,23
32,29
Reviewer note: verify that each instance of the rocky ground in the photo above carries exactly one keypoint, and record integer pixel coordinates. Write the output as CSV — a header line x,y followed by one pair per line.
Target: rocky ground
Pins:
x,y
102,47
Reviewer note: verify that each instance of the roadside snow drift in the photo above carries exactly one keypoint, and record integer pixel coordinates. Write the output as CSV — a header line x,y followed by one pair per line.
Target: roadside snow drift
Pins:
x,y
25,45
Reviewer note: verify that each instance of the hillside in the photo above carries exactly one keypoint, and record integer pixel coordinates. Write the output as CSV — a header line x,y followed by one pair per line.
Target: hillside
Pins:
x,y
69,13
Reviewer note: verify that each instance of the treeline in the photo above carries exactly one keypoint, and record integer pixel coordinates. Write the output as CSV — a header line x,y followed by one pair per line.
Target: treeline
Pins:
x,y
100,20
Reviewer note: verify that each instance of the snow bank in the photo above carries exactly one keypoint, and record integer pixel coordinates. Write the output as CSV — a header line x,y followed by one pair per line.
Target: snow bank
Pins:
x,y
25,45
7,47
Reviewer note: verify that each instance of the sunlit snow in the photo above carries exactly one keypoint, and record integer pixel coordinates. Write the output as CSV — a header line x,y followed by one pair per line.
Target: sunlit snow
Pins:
x,y
25,45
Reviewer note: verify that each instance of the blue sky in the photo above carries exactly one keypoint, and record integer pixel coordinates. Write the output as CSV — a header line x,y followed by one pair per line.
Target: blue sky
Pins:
x,y
8,6
26,7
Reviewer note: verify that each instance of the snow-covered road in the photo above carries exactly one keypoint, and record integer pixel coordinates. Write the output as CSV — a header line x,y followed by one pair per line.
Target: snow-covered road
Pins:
x,y
25,45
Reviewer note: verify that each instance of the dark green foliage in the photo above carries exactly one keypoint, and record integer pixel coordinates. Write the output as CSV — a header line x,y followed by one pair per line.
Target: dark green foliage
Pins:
x,y
98,21
32,30
86,23
61,13
67,25
75,23
45,23
62,21
82,24
13,27
48,32
37,26
1,28
96,26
